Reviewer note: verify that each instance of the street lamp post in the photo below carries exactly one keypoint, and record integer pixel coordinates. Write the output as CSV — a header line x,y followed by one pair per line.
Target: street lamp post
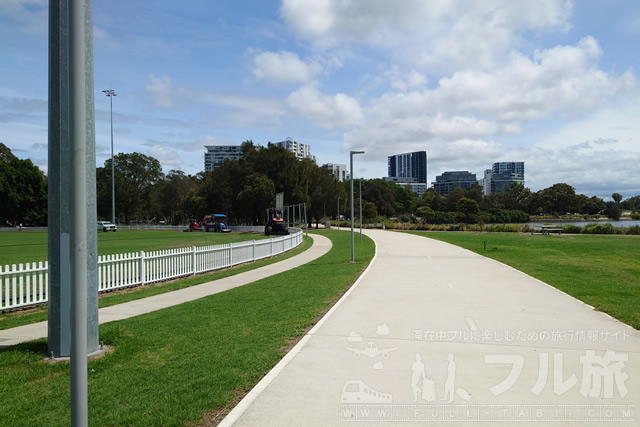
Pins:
x,y
351,153
360,182
111,93
338,219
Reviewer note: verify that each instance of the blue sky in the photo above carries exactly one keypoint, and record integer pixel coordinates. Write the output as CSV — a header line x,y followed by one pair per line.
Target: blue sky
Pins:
x,y
552,83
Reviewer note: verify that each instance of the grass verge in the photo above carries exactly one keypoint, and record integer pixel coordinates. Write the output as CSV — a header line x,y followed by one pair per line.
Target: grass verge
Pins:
x,y
603,271
39,314
176,365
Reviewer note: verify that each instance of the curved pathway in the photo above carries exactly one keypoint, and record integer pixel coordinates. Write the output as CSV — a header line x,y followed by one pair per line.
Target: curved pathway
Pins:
x,y
321,245
437,335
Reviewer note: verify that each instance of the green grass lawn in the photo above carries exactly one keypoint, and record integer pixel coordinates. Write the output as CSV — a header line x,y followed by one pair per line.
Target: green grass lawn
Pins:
x,y
31,246
179,365
601,270
39,314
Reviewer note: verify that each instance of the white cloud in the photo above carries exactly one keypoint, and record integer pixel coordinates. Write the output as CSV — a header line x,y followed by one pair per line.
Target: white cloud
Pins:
x,y
165,156
325,111
283,67
437,34
32,15
403,81
479,105
161,91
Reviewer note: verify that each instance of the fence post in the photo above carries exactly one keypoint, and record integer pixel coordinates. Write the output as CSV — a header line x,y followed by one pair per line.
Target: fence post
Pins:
x,y
254,250
230,254
142,269
271,245
194,260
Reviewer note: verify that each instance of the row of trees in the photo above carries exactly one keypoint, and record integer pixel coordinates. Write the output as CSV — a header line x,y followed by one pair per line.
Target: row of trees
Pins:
x,y
23,191
244,189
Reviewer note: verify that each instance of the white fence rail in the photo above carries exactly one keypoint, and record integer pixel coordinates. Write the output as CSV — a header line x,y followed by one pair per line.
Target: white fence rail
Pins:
x,y
28,284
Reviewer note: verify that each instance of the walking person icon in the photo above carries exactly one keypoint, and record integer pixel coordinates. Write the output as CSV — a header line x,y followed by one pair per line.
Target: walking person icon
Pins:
x,y
449,384
417,371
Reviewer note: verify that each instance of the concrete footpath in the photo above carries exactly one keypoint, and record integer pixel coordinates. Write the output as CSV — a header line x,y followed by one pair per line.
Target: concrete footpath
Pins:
x,y
433,334
321,245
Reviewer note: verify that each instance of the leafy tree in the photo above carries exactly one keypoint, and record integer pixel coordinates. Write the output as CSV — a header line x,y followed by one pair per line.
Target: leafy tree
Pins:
x,y
467,207
616,197
632,203
427,214
369,211
135,174
257,195
453,197
380,194
23,190
516,196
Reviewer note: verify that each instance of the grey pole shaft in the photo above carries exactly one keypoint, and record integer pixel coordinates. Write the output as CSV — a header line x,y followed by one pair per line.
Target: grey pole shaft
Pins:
x,y
338,222
113,176
351,197
78,119
360,182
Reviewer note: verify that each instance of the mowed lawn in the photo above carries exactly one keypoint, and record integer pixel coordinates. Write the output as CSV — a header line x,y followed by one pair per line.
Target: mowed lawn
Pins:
x,y
183,364
30,246
603,271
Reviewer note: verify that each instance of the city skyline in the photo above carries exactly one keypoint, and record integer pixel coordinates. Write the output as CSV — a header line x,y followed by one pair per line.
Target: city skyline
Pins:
x,y
551,83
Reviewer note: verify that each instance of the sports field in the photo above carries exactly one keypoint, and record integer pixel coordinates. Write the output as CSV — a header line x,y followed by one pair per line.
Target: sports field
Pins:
x,y
30,246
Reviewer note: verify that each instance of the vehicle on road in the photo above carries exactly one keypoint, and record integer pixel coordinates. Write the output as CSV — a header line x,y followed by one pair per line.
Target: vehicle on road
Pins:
x,y
216,223
275,224
107,226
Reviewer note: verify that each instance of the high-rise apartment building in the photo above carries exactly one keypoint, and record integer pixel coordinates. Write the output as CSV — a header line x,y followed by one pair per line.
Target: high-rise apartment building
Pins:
x,y
409,165
445,183
338,170
302,151
217,154
501,175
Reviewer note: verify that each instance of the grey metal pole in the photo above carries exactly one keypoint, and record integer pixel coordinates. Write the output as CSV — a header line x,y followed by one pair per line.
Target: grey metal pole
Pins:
x,y
351,153
351,197
111,93
360,182
78,123
338,221
113,173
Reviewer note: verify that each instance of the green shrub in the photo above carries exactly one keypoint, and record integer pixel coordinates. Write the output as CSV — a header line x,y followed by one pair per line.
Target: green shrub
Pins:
x,y
572,229
634,229
600,229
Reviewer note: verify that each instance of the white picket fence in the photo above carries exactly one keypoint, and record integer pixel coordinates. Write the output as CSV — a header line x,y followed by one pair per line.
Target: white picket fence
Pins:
x,y
28,284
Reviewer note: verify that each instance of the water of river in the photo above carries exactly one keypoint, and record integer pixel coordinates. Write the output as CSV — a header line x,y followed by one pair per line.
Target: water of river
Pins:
x,y
583,223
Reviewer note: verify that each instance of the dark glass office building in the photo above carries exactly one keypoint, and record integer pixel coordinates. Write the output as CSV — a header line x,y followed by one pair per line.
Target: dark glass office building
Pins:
x,y
409,165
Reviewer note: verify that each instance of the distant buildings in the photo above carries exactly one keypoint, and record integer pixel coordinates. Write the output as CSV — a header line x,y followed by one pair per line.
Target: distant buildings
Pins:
x,y
445,183
302,151
217,154
501,175
495,180
408,165
338,170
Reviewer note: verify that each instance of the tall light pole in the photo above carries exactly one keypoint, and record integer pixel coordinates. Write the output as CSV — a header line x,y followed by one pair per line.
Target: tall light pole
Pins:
x,y
338,222
351,153
111,93
360,182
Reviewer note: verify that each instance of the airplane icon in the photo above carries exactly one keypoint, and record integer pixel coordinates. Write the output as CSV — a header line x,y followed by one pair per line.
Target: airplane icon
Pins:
x,y
371,350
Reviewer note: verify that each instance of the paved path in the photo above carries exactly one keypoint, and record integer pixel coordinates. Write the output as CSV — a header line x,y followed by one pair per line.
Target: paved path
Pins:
x,y
500,347
321,245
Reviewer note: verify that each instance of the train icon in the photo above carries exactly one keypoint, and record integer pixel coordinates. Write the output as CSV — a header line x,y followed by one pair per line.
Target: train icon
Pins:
x,y
356,391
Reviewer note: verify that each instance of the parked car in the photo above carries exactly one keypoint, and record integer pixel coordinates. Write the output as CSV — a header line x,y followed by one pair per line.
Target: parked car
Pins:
x,y
106,226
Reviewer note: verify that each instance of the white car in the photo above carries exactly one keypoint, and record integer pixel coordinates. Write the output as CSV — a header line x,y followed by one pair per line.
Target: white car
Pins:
x,y
106,226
